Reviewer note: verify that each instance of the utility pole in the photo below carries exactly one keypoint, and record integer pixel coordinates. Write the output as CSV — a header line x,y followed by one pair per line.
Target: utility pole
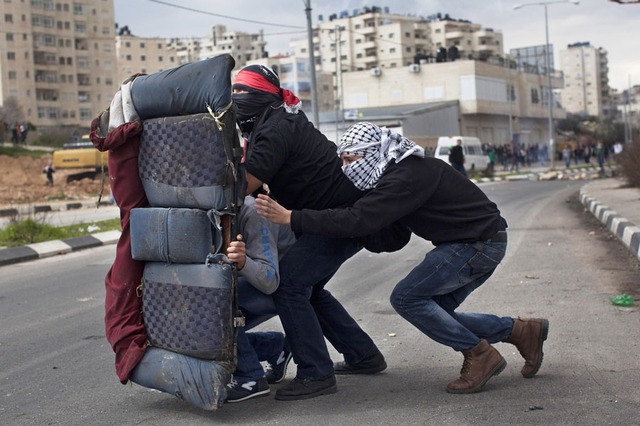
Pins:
x,y
312,65
339,79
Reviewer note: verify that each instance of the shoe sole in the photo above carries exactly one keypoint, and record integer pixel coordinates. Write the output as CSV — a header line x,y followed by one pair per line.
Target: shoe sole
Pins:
x,y
253,395
543,336
371,370
496,370
284,372
327,391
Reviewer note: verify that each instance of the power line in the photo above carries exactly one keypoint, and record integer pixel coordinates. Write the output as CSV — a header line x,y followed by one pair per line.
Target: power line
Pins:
x,y
204,12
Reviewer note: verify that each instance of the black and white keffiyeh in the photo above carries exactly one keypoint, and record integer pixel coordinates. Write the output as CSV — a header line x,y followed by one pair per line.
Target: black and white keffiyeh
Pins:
x,y
377,146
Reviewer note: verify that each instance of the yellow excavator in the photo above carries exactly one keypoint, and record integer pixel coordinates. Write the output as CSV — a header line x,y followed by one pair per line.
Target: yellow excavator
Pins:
x,y
82,156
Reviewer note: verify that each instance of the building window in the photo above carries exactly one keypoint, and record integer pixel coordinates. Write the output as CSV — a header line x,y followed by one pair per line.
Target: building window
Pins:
x,y
11,56
143,57
9,37
535,99
85,114
8,18
12,75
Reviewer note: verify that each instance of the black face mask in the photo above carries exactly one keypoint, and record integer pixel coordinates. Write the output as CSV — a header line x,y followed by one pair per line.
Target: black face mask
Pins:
x,y
250,106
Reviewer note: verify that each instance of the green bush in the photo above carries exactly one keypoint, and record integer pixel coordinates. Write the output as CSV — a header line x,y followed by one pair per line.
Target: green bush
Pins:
x,y
630,163
29,231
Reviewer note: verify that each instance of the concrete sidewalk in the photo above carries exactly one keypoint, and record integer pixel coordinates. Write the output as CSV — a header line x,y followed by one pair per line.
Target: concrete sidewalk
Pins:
x,y
614,204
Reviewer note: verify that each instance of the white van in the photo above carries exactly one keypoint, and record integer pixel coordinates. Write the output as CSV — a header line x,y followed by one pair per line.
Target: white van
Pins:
x,y
475,159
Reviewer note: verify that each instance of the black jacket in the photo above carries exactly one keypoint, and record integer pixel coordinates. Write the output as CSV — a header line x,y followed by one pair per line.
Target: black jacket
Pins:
x,y
425,194
299,163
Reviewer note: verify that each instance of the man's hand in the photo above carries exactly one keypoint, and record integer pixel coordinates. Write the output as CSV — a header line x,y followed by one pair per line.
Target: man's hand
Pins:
x,y
269,208
237,252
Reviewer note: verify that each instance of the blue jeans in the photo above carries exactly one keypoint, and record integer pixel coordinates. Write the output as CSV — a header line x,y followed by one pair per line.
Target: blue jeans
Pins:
x,y
256,347
256,307
429,296
309,312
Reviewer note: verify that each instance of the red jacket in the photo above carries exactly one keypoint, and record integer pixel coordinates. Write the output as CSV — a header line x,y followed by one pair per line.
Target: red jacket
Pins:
x,y
123,302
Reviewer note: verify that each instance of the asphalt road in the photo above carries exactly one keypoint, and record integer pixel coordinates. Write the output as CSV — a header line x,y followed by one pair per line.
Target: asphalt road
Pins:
x,y
57,369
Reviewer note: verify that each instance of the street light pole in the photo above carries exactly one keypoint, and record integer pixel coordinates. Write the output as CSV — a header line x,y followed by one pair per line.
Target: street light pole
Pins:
x,y
547,63
547,60
312,65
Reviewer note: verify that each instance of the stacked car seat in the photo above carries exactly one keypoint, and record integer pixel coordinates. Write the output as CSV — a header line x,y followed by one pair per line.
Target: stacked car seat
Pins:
x,y
189,167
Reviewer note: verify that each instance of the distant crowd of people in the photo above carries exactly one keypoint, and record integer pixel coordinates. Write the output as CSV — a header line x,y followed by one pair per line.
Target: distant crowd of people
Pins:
x,y
513,156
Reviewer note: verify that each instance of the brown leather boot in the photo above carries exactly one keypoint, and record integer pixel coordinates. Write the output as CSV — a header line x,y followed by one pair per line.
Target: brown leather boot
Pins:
x,y
480,364
528,335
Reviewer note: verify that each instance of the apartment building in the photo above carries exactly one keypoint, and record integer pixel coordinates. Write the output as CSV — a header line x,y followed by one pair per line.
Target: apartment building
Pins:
x,y
490,99
470,40
185,49
58,59
144,55
586,90
242,46
372,37
367,38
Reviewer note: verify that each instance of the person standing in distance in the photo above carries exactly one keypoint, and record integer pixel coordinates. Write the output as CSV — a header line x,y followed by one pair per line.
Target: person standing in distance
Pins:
x,y
456,157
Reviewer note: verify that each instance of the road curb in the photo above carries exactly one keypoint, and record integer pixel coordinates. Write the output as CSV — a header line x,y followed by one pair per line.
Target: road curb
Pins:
x,y
53,207
623,229
35,251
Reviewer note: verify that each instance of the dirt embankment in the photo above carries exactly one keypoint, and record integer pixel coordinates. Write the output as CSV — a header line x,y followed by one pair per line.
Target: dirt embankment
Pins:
x,y
23,182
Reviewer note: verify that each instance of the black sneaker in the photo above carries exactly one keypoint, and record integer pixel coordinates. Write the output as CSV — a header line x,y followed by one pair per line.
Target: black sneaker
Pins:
x,y
305,389
242,390
276,372
370,365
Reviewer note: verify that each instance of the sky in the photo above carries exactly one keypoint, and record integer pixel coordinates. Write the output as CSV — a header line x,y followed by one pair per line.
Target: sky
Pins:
x,y
603,23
